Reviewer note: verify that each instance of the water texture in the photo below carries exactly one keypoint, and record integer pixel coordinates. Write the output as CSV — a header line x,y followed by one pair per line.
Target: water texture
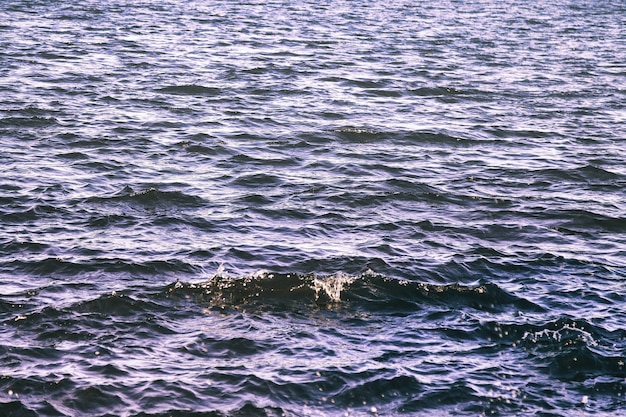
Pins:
x,y
299,208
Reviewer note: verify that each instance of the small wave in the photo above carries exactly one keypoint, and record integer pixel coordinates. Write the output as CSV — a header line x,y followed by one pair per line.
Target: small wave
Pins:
x,y
437,138
190,90
561,332
578,220
213,150
590,174
58,266
436,91
114,304
106,220
572,350
21,246
452,95
266,287
358,134
79,320
153,197
35,121
266,290
73,156
257,180
274,161
365,135
35,212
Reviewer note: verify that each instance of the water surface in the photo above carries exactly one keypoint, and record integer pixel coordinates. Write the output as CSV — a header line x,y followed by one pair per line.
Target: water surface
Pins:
x,y
312,208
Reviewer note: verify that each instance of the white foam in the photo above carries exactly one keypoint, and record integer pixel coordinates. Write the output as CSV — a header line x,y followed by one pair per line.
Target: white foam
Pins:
x,y
332,285
221,271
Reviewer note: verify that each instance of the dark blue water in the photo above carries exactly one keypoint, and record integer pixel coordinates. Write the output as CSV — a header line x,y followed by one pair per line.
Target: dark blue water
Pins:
x,y
298,208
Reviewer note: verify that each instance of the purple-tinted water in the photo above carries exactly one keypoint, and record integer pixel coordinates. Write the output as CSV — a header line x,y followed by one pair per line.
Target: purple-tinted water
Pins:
x,y
312,208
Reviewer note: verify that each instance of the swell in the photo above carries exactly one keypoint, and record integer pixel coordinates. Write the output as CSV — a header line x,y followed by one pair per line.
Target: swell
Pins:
x,y
267,292
371,292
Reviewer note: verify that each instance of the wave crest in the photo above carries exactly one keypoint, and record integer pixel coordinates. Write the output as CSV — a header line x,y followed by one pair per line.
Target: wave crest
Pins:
x,y
369,291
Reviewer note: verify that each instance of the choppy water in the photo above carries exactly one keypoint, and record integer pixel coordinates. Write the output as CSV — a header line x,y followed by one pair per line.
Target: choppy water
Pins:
x,y
299,208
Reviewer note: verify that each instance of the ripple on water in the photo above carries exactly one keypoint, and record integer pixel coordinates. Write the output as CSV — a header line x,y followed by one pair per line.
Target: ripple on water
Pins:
x,y
433,197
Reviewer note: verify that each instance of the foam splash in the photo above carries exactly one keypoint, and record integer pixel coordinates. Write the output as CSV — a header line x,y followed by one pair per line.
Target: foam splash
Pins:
x,y
332,286
221,271
566,333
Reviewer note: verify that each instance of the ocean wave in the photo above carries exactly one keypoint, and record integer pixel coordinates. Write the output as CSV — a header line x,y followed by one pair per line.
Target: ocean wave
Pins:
x,y
266,290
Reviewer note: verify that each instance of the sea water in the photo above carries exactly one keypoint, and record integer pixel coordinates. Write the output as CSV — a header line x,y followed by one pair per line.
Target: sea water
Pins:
x,y
305,208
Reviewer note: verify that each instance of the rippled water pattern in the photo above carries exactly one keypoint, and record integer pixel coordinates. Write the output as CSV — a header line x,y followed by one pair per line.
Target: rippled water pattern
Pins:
x,y
299,208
